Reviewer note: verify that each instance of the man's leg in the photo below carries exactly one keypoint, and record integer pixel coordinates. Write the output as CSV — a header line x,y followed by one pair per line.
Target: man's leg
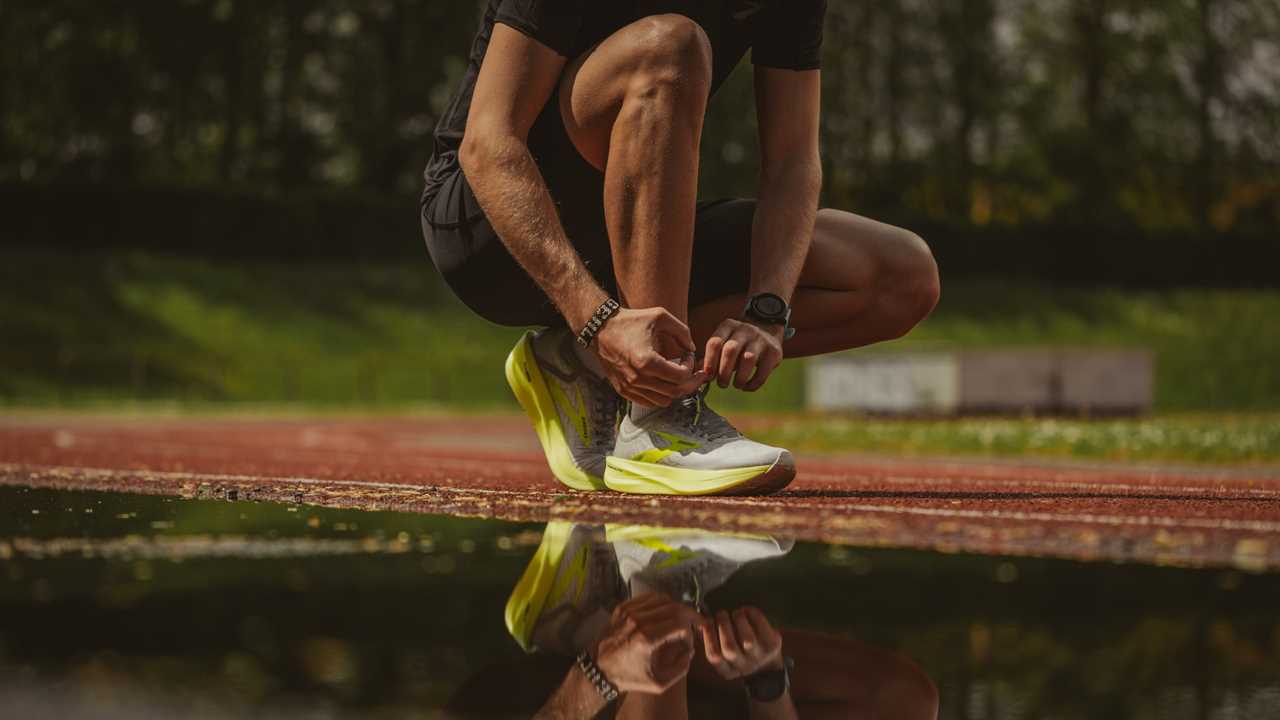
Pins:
x,y
863,282
633,106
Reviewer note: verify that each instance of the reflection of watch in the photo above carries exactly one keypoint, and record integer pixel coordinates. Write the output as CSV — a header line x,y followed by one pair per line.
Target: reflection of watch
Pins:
x,y
767,686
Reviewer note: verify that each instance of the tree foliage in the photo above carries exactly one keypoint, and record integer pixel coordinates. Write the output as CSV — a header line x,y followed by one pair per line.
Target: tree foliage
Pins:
x,y
1159,114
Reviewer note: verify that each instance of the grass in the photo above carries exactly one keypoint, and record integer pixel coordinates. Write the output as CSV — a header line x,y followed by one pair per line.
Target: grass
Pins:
x,y
123,328
1219,438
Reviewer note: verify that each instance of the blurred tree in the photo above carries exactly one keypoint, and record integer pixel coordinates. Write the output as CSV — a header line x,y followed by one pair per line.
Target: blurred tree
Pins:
x,y
1155,114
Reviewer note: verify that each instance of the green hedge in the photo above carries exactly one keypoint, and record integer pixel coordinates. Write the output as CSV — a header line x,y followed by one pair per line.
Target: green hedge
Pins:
x,y
240,223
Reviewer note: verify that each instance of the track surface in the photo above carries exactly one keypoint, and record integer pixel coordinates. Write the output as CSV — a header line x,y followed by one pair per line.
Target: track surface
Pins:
x,y
491,467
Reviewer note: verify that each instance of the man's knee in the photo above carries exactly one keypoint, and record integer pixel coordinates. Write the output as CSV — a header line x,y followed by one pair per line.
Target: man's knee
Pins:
x,y
921,285
673,52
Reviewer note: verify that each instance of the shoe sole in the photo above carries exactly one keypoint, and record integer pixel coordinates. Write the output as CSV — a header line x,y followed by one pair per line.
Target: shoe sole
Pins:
x,y
643,478
529,597
530,389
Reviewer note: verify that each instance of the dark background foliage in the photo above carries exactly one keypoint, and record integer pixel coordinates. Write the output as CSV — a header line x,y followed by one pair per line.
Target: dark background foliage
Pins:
x,y
1081,140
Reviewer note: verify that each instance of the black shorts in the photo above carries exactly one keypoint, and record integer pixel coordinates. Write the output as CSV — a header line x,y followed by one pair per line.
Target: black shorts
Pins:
x,y
478,268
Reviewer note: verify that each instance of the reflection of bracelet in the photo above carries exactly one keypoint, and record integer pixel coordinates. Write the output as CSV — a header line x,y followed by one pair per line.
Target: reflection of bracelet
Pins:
x,y
607,690
606,310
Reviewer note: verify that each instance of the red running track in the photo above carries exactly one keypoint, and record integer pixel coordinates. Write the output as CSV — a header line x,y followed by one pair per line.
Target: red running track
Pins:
x,y
490,466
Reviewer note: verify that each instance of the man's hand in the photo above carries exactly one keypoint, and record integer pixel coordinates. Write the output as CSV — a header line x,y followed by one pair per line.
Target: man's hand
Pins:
x,y
741,643
743,353
648,645
634,347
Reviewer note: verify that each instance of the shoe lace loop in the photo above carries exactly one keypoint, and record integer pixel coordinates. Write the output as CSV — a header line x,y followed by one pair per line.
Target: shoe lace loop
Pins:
x,y
706,422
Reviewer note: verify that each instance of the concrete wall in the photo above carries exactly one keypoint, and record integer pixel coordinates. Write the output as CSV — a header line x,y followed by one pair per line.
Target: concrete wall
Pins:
x,y
1039,380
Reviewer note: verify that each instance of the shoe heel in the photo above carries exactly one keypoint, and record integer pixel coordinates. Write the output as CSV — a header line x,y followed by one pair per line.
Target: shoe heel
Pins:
x,y
530,389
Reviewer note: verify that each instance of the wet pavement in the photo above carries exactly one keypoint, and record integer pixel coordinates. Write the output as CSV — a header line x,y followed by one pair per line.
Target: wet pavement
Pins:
x,y
127,605
490,466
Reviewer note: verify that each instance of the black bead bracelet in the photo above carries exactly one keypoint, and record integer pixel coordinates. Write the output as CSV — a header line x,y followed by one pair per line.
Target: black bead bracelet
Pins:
x,y
607,309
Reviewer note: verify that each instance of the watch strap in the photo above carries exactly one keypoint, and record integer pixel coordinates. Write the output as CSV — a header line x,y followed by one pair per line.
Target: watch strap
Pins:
x,y
767,686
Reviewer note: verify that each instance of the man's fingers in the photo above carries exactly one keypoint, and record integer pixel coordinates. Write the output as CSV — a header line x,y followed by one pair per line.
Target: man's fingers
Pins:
x,y
728,361
764,631
646,397
764,369
746,366
711,359
742,626
671,326
663,388
711,643
730,650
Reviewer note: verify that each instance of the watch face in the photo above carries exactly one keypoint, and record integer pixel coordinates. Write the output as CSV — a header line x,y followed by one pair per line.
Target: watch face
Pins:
x,y
770,305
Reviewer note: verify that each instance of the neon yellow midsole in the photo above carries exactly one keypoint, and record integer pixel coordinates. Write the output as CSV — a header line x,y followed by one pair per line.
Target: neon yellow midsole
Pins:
x,y
642,478
530,594
534,396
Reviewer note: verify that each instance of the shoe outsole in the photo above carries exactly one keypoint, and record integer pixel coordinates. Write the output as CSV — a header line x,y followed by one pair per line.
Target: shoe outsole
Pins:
x,y
530,389
642,478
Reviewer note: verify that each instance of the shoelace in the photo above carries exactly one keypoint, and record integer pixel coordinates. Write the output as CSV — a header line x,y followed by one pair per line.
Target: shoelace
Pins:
x,y
706,422
605,405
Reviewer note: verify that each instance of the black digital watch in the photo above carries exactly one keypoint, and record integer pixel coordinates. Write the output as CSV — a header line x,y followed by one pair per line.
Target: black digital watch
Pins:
x,y
769,309
767,686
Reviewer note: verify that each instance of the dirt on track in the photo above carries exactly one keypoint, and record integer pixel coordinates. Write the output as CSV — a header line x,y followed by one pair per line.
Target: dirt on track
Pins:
x,y
491,467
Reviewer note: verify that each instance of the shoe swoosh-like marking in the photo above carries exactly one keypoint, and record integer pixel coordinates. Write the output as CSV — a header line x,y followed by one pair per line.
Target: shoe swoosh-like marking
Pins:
x,y
677,445
577,412
572,582
674,556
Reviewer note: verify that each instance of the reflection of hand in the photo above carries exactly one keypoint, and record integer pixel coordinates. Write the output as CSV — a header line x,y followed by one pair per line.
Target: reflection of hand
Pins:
x,y
633,348
648,645
742,643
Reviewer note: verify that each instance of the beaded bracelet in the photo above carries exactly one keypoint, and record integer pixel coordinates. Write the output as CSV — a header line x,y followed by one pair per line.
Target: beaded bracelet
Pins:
x,y
606,310
607,690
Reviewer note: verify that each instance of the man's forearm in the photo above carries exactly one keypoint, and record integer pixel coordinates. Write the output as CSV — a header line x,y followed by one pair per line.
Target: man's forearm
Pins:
x,y
783,226
575,698
514,196
781,709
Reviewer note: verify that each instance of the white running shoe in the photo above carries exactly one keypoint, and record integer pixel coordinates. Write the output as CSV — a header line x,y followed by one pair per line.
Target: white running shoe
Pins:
x,y
574,413
567,592
686,564
689,449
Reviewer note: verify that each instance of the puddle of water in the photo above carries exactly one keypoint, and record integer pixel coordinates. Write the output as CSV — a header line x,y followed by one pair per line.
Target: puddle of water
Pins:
x,y
128,606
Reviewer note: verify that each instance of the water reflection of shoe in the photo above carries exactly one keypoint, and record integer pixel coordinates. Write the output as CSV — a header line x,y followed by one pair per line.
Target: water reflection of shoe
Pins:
x,y
686,564
574,413
689,449
567,592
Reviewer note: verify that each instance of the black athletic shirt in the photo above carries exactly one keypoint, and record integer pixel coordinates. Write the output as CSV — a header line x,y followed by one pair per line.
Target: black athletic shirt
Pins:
x,y
784,34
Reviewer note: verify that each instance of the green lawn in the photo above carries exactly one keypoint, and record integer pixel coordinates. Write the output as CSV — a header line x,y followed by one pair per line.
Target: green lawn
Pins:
x,y
86,329
1220,438
140,330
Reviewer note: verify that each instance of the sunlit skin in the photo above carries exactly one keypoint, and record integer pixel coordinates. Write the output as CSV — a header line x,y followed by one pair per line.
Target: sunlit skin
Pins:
x,y
654,647
633,105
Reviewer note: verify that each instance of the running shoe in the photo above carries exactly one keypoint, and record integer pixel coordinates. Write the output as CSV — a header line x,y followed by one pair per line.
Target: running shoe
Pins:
x,y
689,449
567,592
574,413
686,564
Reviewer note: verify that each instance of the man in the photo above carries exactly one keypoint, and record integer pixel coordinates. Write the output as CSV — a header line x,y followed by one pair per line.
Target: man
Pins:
x,y
562,194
